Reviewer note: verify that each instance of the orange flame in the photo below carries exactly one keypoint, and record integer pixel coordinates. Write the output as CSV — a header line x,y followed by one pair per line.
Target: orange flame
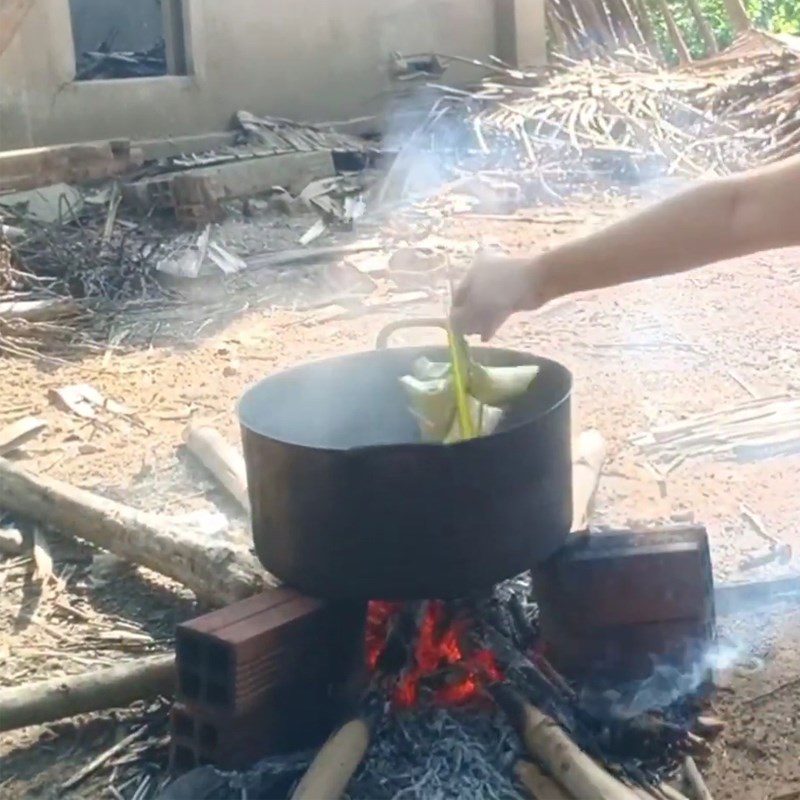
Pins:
x,y
437,648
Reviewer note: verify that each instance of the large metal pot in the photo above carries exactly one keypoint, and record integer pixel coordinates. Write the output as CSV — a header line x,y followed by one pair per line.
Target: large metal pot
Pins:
x,y
347,502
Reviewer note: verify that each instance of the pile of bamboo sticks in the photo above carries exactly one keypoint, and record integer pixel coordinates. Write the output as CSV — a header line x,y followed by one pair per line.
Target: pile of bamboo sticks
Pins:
x,y
758,428
591,116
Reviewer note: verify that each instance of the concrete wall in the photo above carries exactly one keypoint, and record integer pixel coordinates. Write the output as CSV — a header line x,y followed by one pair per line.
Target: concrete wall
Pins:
x,y
305,59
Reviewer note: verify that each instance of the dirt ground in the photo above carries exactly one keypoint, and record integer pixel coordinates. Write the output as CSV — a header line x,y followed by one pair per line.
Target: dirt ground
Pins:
x,y
641,355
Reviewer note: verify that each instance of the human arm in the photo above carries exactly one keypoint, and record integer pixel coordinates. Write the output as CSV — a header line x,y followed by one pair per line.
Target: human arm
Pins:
x,y
711,222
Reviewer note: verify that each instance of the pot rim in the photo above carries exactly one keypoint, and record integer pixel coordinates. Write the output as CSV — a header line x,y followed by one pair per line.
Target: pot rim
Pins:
x,y
418,350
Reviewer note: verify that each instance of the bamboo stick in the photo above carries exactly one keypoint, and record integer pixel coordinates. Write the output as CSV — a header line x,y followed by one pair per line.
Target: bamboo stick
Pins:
x,y
550,746
334,765
695,780
589,453
221,459
537,783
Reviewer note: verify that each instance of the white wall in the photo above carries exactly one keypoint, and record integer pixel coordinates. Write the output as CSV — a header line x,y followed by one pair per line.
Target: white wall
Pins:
x,y
305,59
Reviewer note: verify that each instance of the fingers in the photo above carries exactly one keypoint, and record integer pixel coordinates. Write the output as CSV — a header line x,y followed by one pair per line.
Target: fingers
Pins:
x,y
472,319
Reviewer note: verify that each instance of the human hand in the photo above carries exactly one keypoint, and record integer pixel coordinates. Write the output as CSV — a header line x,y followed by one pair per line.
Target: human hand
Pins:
x,y
496,287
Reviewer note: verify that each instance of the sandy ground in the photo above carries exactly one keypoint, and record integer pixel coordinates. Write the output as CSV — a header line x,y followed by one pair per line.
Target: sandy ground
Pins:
x,y
641,355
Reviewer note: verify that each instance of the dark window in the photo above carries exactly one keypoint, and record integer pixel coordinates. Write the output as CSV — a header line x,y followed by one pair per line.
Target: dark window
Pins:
x,y
128,38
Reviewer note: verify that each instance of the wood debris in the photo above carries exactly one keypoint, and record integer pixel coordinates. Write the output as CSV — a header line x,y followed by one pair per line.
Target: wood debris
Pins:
x,y
18,433
622,116
755,429
85,401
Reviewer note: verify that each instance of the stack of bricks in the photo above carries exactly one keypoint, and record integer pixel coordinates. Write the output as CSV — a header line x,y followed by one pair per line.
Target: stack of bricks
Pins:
x,y
260,677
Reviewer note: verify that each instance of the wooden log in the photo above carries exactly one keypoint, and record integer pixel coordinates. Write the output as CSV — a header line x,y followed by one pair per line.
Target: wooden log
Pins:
x,y
540,786
334,765
219,571
695,780
588,456
221,459
39,310
16,434
548,744
115,687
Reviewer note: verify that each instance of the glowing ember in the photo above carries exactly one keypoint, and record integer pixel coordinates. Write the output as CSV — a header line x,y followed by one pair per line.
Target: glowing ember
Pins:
x,y
437,656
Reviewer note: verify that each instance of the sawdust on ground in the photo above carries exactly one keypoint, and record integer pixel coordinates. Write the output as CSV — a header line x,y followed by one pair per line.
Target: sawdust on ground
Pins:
x,y
641,354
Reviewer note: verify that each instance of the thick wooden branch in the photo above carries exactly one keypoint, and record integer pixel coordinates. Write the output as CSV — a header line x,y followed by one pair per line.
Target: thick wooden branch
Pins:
x,y
115,687
549,745
221,459
334,765
537,783
567,763
219,571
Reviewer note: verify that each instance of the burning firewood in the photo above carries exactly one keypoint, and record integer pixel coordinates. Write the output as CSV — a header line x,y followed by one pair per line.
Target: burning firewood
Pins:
x,y
695,780
537,783
709,727
336,762
547,742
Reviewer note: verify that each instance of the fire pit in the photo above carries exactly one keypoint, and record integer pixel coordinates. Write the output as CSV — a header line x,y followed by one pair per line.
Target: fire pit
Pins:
x,y
478,671
350,506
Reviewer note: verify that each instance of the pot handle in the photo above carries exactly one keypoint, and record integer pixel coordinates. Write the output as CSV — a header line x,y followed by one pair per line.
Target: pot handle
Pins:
x,y
382,339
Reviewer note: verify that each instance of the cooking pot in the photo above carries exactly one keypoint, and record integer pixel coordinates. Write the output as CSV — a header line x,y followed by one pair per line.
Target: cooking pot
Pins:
x,y
348,502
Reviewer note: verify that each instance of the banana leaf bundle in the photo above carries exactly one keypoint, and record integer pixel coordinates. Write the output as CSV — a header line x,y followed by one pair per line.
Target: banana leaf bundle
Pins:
x,y
461,399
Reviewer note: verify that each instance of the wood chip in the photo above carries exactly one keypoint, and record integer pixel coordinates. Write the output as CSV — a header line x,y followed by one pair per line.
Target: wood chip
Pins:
x,y
42,557
98,762
16,434
84,401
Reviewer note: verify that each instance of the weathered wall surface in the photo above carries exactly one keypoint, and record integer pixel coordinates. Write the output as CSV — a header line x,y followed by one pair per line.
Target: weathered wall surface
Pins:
x,y
306,59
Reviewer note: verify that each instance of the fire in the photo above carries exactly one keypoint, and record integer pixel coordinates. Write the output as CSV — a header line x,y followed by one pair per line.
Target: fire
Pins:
x,y
438,657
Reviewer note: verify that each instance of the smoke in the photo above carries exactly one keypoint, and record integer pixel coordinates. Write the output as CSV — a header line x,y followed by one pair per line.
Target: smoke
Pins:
x,y
666,686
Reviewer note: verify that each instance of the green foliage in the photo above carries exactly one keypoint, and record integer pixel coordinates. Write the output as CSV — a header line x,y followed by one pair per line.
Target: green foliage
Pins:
x,y
778,16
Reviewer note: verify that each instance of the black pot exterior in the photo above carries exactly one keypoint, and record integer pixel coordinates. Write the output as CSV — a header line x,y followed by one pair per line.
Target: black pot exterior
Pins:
x,y
348,503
